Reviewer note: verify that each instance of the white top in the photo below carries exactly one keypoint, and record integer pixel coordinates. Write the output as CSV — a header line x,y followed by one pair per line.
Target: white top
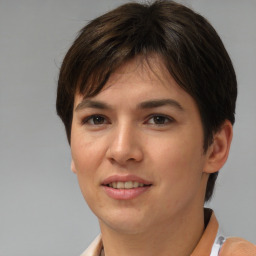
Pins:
x,y
219,241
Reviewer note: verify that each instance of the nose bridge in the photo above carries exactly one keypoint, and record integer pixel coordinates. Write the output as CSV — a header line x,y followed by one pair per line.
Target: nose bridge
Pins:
x,y
124,136
125,145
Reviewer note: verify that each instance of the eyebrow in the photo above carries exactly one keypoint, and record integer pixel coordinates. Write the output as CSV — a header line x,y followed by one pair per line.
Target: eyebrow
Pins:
x,y
87,103
160,103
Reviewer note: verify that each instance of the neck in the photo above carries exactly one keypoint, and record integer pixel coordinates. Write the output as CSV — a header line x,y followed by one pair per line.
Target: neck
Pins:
x,y
179,236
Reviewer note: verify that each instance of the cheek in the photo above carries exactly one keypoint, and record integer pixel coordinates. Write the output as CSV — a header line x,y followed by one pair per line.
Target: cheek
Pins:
x,y
83,155
86,152
177,154
88,155
180,164
84,160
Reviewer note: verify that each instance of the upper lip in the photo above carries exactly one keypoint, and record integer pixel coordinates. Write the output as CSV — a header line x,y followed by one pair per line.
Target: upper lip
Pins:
x,y
124,178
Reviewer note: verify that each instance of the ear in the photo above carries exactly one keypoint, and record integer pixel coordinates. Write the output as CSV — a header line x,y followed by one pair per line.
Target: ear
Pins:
x,y
73,168
218,151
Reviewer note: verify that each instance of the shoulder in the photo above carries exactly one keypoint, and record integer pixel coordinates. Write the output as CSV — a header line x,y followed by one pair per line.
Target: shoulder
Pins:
x,y
235,246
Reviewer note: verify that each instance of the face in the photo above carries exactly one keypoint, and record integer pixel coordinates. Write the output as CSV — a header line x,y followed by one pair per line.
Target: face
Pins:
x,y
137,149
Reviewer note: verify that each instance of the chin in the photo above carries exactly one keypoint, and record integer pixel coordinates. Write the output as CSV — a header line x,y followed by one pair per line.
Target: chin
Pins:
x,y
124,222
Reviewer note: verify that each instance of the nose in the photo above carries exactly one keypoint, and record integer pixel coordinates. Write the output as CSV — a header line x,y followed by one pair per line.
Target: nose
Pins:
x,y
124,146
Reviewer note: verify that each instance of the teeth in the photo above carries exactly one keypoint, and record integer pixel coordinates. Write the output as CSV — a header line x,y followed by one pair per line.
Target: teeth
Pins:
x,y
114,185
136,184
126,185
120,184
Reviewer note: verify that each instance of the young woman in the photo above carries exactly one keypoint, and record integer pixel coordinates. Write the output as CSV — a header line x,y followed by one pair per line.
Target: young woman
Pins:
x,y
147,94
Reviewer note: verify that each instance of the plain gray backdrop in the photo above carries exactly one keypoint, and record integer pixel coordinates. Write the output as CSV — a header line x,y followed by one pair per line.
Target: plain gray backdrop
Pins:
x,y
41,209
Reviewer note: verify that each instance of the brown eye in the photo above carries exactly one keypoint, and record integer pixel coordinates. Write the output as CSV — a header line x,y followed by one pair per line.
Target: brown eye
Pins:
x,y
160,120
95,120
98,120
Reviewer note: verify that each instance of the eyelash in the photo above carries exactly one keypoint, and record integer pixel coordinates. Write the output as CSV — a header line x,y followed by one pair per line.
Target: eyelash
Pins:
x,y
89,118
167,120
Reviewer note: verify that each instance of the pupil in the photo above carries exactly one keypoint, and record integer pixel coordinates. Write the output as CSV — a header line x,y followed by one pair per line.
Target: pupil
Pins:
x,y
98,120
159,119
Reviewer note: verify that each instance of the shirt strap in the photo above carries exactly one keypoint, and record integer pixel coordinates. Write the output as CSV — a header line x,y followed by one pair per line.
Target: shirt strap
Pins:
x,y
219,241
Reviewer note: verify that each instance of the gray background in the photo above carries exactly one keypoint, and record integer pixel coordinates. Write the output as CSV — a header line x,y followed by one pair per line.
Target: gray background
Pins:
x,y
41,209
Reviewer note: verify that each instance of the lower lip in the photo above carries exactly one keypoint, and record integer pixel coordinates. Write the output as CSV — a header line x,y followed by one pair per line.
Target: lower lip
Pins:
x,y
125,194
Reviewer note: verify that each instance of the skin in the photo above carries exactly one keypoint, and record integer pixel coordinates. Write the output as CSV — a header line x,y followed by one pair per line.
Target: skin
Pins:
x,y
161,144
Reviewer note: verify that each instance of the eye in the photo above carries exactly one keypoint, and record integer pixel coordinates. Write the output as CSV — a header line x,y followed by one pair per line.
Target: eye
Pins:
x,y
160,120
95,120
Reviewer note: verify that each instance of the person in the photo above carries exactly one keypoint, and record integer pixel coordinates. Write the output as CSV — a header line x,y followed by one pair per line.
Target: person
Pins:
x,y
147,94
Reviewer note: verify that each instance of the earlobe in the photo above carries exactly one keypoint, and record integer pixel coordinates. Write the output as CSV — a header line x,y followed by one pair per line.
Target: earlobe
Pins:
x,y
73,168
218,151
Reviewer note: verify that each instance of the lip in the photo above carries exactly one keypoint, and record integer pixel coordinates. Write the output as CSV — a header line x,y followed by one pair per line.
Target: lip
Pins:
x,y
124,178
125,194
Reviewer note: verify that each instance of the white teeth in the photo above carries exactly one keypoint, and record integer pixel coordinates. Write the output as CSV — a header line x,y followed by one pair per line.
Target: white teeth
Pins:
x,y
136,184
120,184
126,185
114,185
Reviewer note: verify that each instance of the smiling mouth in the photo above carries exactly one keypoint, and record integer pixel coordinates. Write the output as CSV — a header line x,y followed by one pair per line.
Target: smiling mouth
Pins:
x,y
126,185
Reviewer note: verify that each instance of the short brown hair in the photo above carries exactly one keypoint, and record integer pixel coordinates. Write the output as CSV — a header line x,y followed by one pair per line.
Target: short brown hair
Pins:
x,y
190,49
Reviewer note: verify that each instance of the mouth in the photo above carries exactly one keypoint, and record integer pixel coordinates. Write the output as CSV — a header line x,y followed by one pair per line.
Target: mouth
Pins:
x,y
126,184
125,187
